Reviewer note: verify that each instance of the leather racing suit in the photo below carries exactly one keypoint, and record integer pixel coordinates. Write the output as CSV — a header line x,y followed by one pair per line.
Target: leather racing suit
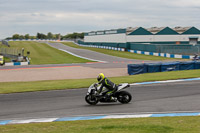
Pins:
x,y
111,87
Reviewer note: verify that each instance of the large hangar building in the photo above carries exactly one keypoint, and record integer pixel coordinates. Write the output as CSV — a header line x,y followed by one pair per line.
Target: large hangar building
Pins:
x,y
154,39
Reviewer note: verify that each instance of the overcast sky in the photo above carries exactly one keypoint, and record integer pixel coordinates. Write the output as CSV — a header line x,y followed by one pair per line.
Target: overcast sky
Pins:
x,y
68,16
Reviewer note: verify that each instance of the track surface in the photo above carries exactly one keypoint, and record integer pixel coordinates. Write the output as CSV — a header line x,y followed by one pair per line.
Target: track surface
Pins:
x,y
91,54
169,97
113,67
111,61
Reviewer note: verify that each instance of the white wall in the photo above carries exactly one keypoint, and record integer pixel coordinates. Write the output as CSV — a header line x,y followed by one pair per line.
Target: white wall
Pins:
x,y
140,38
123,38
167,38
116,38
186,37
159,38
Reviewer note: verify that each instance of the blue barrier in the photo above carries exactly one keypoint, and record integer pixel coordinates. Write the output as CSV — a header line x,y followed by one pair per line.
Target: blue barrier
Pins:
x,y
170,66
197,65
162,67
136,69
189,65
153,67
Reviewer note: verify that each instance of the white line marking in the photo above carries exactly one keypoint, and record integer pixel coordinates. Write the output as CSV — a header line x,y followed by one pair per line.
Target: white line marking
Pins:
x,y
167,81
81,56
127,116
33,120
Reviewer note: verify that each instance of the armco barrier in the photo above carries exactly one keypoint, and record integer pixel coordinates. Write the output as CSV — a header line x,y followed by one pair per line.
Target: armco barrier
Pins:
x,y
17,63
162,67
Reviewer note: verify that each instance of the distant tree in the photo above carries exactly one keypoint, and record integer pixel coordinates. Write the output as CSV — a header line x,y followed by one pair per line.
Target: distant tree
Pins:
x,y
57,36
15,36
8,38
33,37
43,36
27,36
50,35
38,36
54,36
21,37
74,36
81,35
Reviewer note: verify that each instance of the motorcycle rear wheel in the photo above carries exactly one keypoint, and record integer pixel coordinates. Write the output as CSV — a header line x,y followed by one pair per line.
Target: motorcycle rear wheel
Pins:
x,y
124,97
90,100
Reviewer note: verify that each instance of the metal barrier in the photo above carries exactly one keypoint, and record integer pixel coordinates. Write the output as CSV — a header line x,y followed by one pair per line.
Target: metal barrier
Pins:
x,y
184,49
12,53
4,42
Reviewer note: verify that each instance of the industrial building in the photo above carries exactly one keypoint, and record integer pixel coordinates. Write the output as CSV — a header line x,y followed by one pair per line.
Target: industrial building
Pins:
x,y
154,39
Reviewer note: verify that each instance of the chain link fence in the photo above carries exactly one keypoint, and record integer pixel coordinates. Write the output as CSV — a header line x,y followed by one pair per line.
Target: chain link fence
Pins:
x,y
12,53
184,49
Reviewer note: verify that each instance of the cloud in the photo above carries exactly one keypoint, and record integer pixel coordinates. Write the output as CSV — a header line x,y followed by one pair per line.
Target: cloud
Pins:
x,y
66,16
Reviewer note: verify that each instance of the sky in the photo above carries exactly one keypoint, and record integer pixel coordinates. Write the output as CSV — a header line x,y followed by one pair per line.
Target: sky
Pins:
x,y
68,16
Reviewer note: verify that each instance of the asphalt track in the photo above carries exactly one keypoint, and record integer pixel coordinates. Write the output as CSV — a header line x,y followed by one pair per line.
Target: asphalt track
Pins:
x,y
110,65
152,98
105,61
90,54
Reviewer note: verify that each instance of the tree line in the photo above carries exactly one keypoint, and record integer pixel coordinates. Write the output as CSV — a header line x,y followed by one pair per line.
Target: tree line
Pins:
x,y
49,35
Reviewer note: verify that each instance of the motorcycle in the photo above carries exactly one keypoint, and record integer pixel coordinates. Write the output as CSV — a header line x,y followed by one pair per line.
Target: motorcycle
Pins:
x,y
93,96
196,57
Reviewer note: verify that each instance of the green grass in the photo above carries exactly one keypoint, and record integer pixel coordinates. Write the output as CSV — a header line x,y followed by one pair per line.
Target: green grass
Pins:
x,y
41,53
134,125
5,58
11,87
120,53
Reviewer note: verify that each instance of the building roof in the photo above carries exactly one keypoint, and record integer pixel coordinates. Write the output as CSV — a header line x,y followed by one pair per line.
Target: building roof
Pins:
x,y
148,31
155,30
131,29
181,30
192,30
137,31
167,31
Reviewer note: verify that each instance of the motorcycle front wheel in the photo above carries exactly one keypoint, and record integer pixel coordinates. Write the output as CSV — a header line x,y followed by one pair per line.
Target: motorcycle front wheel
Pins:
x,y
91,100
124,97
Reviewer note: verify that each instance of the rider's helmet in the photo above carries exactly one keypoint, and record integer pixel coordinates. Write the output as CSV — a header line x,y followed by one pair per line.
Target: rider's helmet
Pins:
x,y
100,77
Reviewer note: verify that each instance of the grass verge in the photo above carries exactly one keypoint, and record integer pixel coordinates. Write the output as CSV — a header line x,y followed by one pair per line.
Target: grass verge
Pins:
x,y
3,46
12,87
134,125
121,53
41,53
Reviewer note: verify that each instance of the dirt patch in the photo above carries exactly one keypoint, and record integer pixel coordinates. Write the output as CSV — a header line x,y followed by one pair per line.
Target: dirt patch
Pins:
x,y
38,74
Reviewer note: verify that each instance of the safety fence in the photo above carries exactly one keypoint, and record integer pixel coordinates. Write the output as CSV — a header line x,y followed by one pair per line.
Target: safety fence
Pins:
x,y
142,52
11,52
104,47
184,49
134,69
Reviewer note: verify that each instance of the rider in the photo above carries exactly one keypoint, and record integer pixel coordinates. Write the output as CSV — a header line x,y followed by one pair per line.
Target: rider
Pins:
x,y
196,57
105,82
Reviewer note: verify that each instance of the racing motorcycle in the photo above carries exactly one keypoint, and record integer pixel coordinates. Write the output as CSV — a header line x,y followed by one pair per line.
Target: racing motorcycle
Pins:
x,y
196,57
93,96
